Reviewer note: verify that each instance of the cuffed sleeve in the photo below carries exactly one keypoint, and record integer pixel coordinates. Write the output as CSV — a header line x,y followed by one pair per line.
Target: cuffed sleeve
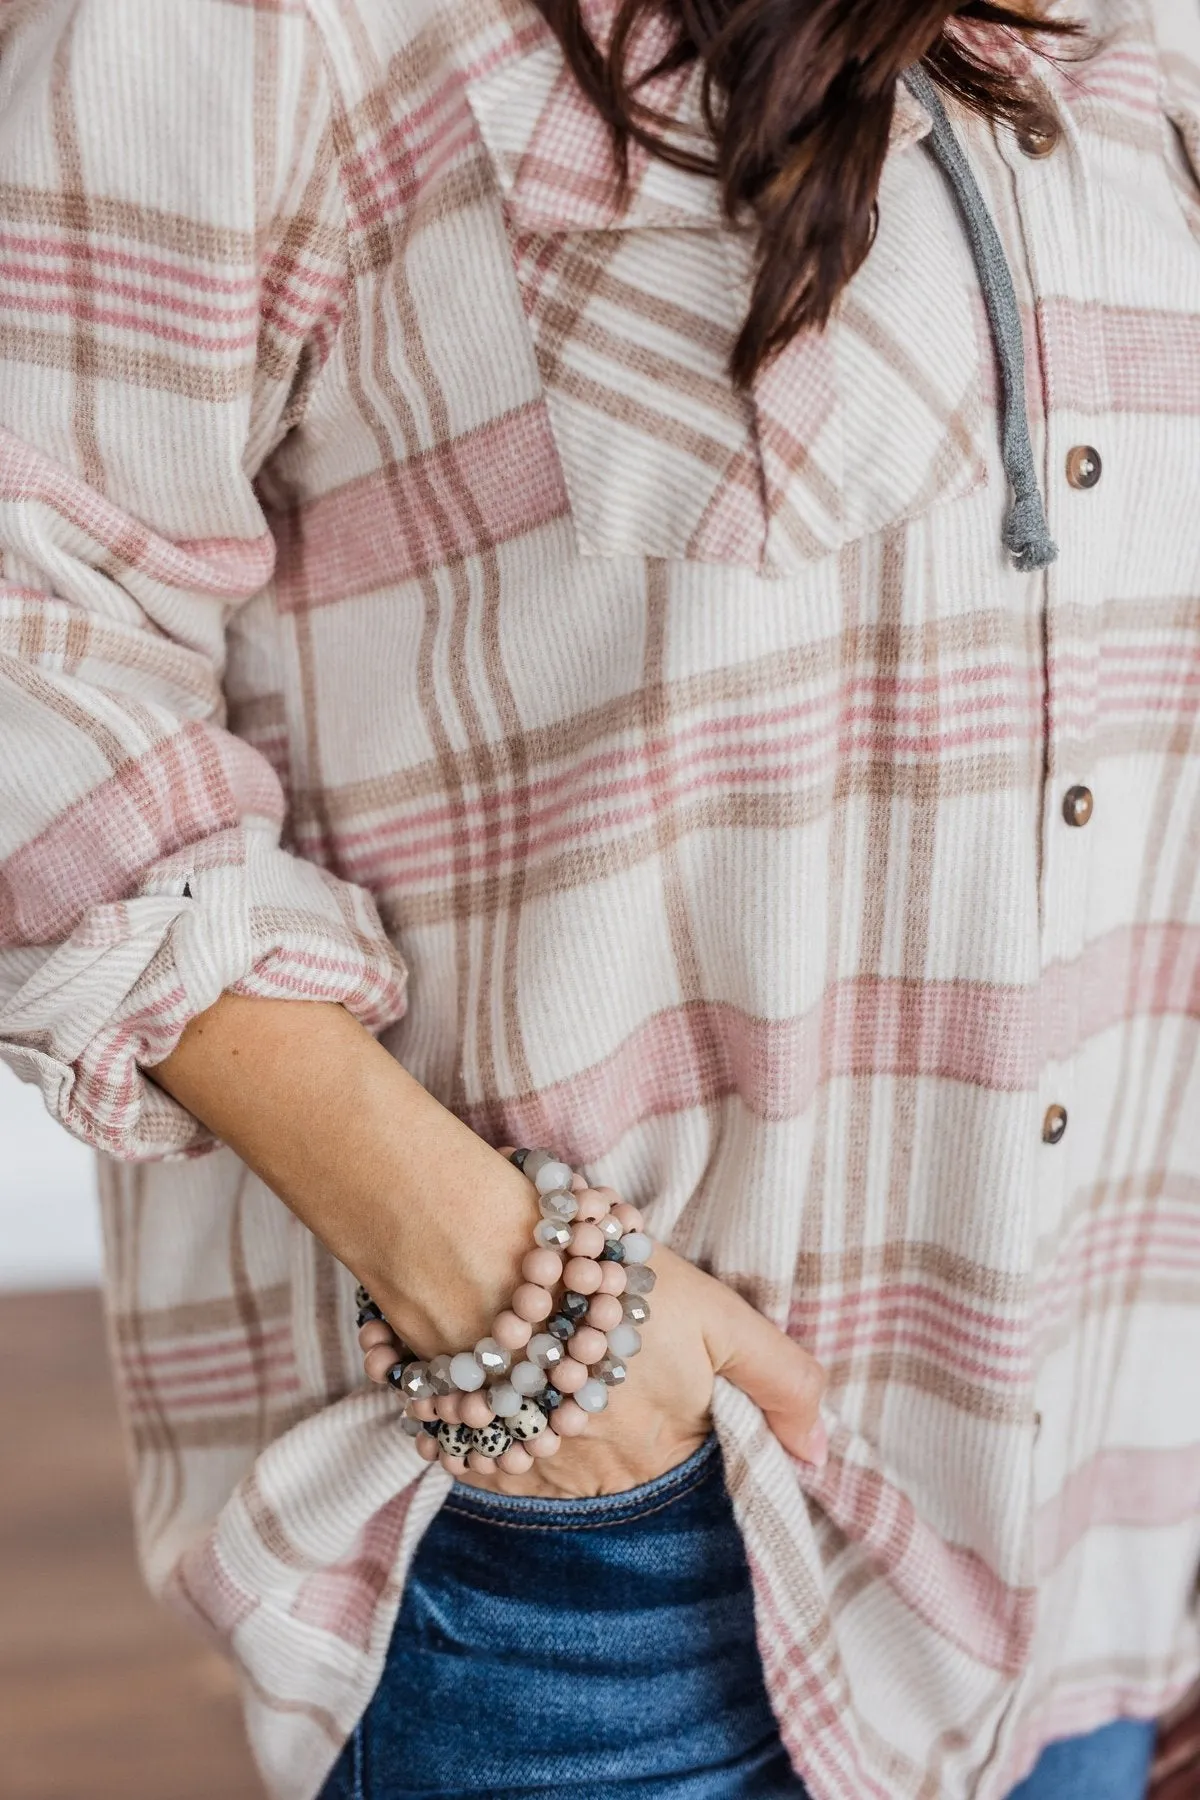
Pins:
x,y
151,358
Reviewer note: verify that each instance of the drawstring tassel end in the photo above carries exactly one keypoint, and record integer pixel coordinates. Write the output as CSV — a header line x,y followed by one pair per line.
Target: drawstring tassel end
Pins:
x,y
1027,534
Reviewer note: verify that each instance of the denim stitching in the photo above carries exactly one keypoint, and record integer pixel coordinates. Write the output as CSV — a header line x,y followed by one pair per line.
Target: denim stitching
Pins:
x,y
563,1521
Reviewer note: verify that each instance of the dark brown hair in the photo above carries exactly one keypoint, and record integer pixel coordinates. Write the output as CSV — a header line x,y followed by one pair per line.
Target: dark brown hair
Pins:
x,y
798,97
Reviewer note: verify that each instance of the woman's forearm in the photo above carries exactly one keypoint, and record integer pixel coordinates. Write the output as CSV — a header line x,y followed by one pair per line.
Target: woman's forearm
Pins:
x,y
401,1191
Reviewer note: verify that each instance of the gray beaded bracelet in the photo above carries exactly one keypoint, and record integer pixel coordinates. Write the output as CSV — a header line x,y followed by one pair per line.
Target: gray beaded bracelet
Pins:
x,y
521,1390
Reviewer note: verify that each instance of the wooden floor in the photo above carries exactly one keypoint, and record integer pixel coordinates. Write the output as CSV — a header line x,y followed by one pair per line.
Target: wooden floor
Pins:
x,y
102,1696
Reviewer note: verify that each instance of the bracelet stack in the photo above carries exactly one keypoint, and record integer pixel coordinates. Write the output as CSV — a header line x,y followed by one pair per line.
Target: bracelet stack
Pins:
x,y
553,1354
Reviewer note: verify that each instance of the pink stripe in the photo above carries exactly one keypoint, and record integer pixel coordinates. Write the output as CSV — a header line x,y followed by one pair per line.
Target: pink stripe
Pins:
x,y
82,311
1120,359
92,253
156,298
343,1598
989,1037
194,785
1142,1489
459,500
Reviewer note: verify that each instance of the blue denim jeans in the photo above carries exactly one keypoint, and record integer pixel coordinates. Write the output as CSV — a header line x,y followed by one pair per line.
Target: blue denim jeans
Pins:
x,y
602,1650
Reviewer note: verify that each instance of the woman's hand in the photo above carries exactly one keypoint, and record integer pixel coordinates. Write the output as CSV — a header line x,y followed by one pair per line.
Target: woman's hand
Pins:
x,y
698,1329
436,1223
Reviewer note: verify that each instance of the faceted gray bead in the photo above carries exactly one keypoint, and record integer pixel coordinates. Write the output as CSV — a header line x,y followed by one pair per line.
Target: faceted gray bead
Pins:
x,y
550,1175
504,1399
552,1234
411,1427
612,1371
559,1205
624,1340
639,1279
528,1379
535,1161
530,1422
415,1382
455,1440
493,1358
636,1308
638,1247
610,1228
466,1373
491,1440
440,1378
545,1350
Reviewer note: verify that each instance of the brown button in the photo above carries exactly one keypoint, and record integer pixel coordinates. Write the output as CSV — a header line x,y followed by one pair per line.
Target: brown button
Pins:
x,y
1077,805
1039,134
1054,1124
1084,467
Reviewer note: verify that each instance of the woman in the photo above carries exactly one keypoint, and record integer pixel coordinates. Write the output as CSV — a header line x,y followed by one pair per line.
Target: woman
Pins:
x,y
555,499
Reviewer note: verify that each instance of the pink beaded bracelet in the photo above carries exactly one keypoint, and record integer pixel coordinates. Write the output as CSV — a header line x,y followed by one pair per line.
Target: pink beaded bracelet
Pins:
x,y
520,1391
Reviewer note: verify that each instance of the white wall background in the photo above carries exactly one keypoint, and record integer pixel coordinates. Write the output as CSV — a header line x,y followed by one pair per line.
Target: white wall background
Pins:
x,y
49,1227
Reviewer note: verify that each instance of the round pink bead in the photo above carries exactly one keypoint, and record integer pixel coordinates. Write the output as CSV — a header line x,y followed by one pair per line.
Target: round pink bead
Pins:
x,y
570,1420
570,1375
582,1275
378,1361
605,1312
609,1196
451,1464
375,1331
546,1445
532,1302
544,1267
427,1447
587,1346
587,1240
483,1465
516,1460
629,1216
592,1206
510,1332
423,1409
449,1408
578,1184
612,1278
474,1410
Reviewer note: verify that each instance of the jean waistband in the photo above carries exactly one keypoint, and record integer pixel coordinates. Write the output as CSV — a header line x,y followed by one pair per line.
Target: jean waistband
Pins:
x,y
533,1512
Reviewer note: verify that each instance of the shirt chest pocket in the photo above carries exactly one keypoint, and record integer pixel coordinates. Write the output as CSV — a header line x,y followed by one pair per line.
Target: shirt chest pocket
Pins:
x,y
633,309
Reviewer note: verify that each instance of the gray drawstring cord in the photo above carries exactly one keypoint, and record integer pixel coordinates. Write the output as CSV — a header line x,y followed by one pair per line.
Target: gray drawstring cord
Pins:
x,y
1026,531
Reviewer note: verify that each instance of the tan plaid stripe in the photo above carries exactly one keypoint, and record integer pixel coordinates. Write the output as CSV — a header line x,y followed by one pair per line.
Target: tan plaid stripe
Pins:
x,y
389,570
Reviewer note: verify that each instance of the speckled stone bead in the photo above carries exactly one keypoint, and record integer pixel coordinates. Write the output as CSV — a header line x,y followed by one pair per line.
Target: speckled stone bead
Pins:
x,y
440,1378
573,1306
493,1358
466,1373
636,1308
639,1279
592,1396
637,1246
491,1440
528,1379
561,1327
530,1422
455,1440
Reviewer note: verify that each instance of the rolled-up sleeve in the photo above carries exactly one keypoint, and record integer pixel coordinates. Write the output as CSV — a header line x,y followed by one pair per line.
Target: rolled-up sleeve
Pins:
x,y
170,290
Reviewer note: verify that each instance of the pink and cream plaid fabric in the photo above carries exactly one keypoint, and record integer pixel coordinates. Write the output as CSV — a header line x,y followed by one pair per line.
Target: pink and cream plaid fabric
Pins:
x,y
392,581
